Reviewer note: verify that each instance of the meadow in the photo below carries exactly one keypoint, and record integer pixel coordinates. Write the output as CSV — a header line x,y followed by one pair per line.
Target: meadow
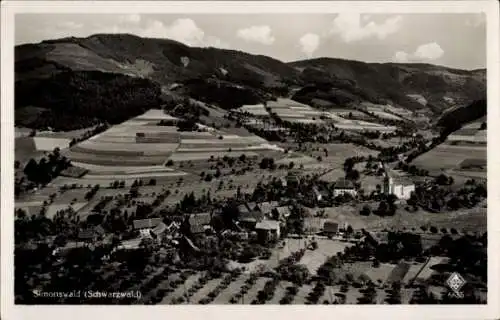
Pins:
x,y
448,157
467,220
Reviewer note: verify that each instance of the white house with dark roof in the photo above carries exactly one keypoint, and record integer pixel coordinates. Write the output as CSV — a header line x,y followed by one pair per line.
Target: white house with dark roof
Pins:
x,y
343,186
268,229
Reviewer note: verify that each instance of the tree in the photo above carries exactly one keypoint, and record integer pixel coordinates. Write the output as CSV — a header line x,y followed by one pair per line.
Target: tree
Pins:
x,y
382,208
352,175
441,180
365,211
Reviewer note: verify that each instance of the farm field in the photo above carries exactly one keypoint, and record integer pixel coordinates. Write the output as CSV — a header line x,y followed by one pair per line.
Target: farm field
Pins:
x,y
313,259
428,270
381,273
293,111
301,296
338,152
20,132
33,208
359,125
470,135
256,110
138,148
445,157
466,219
392,142
385,115
233,288
331,294
25,149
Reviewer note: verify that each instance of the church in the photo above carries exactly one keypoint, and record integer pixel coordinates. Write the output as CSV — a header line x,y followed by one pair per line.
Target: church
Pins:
x,y
398,186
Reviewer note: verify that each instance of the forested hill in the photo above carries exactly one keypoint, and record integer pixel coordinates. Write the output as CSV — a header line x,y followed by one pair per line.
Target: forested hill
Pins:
x,y
72,100
227,78
453,120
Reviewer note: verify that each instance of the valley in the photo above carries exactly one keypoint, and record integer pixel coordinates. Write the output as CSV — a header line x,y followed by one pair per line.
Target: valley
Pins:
x,y
268,183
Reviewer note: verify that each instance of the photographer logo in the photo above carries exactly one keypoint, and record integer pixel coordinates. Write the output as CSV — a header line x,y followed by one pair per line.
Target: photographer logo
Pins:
x,y
455,282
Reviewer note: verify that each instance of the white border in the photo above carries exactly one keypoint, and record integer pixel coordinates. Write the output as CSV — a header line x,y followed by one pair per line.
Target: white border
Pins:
x,y
10,311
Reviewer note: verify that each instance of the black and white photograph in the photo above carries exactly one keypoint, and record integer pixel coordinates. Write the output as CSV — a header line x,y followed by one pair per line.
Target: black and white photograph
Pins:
x,y
170,157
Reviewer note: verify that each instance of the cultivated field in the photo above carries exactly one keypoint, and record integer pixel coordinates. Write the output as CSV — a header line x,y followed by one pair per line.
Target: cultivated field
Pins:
x,y
338,152
139,148
466,219
447,157
256,110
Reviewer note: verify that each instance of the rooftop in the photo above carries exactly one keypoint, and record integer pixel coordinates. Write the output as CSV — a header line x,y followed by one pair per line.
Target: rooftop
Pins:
x,y
146,223
200,219
343,184
251,206
268,225
283,211
267,207
159,229
91,233
330,226
253,216
130,244
313,223
243,208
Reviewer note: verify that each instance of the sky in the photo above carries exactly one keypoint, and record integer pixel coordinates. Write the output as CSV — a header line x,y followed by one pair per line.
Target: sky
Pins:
x,y
451,39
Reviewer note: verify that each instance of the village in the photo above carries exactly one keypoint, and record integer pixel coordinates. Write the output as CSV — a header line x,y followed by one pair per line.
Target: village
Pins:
x,y
302,221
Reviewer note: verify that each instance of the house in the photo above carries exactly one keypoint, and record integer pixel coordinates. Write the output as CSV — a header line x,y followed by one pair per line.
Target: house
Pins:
x,y
199,222
292,179
146,223
251,206
403,156
160,229
144,226
399,186
267,207
281,213
376,238
268,230
317,195
243,209
68,247
91,234
330,228
132,244
283,182
313,225
250,219
343,186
